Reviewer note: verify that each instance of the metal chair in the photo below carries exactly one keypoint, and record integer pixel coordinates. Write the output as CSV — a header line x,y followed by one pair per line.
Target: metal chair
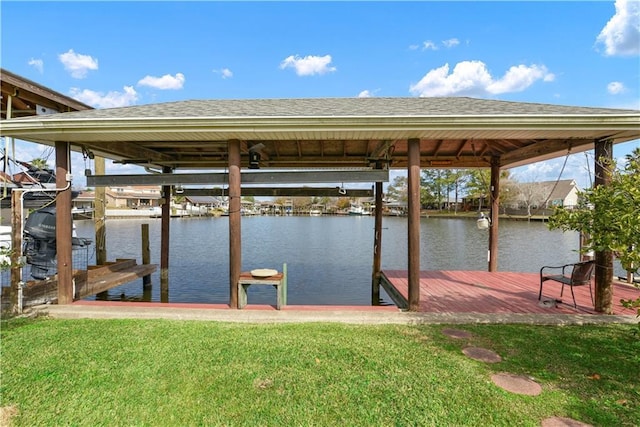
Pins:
x,y
580,275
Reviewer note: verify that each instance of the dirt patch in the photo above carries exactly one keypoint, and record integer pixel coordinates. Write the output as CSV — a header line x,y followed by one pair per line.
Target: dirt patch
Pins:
x,y
6,414
457,333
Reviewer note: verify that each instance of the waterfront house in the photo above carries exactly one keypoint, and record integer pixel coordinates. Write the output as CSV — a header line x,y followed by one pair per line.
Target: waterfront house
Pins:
x,y
133,197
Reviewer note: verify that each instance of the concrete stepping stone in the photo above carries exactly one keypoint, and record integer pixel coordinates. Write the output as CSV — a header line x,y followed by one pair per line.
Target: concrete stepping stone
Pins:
x,y
562,422
457,333
482,354
517,384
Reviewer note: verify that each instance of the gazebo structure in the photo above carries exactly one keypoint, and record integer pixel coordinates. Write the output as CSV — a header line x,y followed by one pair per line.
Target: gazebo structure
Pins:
x,y
240,143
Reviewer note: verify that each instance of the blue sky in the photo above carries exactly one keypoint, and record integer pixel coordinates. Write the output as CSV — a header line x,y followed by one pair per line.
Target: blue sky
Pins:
x,y
112,54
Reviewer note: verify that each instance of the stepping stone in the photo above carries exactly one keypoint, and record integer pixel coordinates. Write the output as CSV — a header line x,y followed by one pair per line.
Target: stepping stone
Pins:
x,y
457,333
562,422
482,354
517,384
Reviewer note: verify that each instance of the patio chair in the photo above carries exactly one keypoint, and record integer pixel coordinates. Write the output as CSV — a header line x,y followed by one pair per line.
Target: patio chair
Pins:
x,y
580,275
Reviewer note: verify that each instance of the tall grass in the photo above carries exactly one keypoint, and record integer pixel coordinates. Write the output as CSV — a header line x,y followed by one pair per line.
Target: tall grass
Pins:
x,y
172,373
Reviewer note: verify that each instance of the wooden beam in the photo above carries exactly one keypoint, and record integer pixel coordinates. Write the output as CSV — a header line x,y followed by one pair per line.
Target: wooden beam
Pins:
x,y
235,237
99,215
414,224
281,191
604,259
382,149
165,218
33,92
16,255
460,148
257,177
64,223
494,214
535,149
438,147
377,248
131,150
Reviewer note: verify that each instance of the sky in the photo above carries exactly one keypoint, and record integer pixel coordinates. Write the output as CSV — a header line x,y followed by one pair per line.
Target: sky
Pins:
x,y
115,54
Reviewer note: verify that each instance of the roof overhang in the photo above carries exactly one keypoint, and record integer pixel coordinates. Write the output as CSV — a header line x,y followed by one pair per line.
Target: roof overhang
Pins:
x,y
326,133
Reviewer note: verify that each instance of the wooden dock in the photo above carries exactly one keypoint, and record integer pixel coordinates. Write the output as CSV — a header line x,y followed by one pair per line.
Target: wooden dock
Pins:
x,y
496,292
96,279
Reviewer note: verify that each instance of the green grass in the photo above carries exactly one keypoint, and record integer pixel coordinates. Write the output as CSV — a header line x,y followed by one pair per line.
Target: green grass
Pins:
x,y
173,373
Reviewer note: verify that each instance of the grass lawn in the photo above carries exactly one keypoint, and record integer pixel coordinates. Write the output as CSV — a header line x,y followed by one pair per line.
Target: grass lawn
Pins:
x,y
182,373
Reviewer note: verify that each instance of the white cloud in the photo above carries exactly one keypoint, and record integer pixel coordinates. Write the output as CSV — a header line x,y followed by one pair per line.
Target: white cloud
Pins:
x,y
365,94
225,73
111,99
471,78
38,64
451,43
429,45
77,64
309,65
520,77
165,82
621,35
615,88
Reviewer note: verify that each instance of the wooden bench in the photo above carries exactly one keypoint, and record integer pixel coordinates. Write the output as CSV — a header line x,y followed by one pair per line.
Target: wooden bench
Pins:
x,y
580,275
278,281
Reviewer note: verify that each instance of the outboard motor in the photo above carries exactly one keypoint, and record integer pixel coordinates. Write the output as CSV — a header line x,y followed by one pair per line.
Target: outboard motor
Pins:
x,y
40,242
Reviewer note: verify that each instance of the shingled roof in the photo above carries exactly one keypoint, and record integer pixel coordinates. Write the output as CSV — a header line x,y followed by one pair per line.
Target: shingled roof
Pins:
x,y
332,132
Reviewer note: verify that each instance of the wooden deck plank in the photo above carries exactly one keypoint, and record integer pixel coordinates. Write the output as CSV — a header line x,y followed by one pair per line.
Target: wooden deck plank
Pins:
x,y
469,291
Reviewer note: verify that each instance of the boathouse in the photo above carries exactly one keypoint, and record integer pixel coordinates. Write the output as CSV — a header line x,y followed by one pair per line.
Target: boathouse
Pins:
x,y
243,143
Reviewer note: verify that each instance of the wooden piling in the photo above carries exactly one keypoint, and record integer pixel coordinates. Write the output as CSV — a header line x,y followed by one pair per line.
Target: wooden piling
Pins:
x,y
377,248
494,214
16,252
604,259
235,206
164,240
64,223
99,215
146,253
414,224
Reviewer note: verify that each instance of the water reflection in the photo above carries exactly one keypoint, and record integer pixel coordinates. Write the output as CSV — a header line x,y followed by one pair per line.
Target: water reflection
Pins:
x,y
329,259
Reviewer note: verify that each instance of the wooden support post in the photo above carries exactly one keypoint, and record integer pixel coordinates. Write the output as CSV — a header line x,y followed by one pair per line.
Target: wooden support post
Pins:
x,y
146,253
377,248
99,215
64,224
604,259
414,224
16,253
235,205
494,214
164,240
99,218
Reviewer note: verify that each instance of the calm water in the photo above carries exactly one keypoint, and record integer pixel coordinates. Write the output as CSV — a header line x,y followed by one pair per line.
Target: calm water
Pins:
x,y
329,258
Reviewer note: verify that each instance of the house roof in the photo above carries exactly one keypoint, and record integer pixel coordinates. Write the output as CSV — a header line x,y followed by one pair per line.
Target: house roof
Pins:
x,y
332,132
29,98
203,200
561,188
